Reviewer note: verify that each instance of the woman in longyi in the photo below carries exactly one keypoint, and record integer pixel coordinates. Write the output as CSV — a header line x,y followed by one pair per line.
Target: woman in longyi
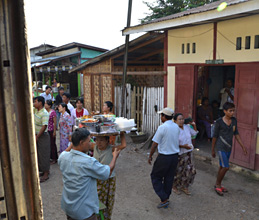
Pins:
x,y
106,189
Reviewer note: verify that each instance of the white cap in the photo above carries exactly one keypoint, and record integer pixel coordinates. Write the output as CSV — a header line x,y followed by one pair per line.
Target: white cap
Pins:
x,y
167,111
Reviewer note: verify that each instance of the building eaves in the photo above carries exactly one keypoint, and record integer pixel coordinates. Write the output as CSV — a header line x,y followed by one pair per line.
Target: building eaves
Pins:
x,y
116,50
56,58
195,16
68,46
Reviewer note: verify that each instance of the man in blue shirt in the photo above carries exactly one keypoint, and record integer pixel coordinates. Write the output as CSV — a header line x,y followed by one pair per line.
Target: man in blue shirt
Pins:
x,y
166,140
80,171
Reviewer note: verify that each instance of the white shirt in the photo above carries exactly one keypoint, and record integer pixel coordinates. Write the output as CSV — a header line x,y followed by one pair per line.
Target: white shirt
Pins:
x,y
47,97
167,138
225,97
73,115
185,137
70,107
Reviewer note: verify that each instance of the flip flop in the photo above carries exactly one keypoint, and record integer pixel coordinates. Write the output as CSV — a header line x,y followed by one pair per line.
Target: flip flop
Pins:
x,y
163,205
224,190
218,191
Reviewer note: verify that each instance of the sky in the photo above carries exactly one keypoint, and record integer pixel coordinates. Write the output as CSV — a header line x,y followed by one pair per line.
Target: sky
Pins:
x,y
92,22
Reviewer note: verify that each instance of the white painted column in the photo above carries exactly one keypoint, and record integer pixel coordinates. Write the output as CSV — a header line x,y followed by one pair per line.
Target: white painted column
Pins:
x,y
171,87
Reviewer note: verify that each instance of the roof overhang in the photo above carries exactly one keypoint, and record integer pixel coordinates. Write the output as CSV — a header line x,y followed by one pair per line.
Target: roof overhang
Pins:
x,y
240,9
69,46
117,50
54,59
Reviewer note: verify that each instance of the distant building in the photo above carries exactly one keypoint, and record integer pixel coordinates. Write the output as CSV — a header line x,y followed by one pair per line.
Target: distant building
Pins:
x,y
56,61
41,48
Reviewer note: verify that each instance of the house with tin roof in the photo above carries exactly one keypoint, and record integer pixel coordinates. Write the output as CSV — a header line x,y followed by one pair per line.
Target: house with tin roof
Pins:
x,y
55,62
203,48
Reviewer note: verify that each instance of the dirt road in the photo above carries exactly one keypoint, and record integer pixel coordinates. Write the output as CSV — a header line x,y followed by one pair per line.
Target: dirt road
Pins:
x,y
135,198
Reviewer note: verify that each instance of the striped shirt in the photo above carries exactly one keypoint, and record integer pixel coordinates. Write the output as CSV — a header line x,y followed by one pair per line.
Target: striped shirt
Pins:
x,y
41,118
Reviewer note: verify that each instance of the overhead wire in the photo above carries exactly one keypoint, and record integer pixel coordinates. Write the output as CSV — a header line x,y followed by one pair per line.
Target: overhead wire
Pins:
x,y
197,35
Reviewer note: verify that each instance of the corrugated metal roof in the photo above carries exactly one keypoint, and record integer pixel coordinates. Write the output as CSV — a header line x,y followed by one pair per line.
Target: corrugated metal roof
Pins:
x,y
53,59
38,64
198,10
70,45
204,8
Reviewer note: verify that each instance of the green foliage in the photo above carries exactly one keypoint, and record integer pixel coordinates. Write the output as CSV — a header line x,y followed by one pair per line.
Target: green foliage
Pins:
x,y
162,8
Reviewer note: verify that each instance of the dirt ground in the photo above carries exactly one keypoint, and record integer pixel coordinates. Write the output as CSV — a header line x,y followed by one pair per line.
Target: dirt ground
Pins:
x,y
135,197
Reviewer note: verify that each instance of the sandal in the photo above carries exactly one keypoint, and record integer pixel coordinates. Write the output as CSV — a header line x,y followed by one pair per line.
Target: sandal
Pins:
x,y
176,191
163,205
218,190
224,190
186,191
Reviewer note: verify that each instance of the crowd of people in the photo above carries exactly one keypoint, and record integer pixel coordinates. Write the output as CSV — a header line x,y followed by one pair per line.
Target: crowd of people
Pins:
x,y
90,179
58,114
173,169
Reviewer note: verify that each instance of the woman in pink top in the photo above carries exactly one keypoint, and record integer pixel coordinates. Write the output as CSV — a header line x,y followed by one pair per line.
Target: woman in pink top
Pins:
x,y
52,131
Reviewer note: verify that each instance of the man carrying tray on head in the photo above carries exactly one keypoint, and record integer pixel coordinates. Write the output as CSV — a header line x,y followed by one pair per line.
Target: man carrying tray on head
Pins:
x,y
103,153
79,197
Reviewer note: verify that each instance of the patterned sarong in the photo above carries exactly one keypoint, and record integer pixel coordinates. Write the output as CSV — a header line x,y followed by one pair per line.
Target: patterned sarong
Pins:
x,y
106,194
185,172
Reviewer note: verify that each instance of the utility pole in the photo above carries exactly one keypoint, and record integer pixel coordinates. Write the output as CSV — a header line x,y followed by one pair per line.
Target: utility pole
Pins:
x,y
125,64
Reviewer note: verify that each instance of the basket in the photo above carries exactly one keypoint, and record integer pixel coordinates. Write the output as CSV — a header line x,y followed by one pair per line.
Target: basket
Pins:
x,y
137,139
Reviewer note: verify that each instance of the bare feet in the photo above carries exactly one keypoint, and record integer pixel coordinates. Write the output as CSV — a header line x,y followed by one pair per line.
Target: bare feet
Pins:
x,y
44,177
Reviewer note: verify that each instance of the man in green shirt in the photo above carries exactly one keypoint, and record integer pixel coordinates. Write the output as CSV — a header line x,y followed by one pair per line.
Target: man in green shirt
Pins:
x,y
41,120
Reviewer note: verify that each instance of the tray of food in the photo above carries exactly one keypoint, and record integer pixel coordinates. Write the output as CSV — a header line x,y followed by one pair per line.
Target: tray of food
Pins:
x,y
96,134
105,118
89,122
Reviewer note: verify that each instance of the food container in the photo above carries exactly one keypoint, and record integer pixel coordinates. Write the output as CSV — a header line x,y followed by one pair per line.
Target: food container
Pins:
x,y
124,124
90,124
105,118
108,128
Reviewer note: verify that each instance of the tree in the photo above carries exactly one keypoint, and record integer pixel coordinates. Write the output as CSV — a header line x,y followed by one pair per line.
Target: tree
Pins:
x,y
164,8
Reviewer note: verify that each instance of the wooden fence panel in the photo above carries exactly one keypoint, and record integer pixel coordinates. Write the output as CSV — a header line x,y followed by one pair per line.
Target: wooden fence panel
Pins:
x,y
96,93
127,100
87,93
140,104
151,120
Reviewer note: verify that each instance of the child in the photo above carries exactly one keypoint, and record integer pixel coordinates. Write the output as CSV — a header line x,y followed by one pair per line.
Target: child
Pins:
x,y
224,129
